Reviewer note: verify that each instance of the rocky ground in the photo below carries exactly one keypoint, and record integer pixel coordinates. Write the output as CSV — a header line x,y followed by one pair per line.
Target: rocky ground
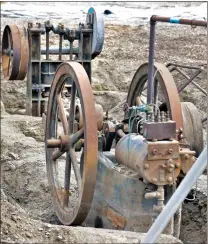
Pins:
x,y
27,214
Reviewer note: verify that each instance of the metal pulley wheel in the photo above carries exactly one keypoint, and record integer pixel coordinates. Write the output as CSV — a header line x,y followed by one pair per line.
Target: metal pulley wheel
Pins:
x,y
165,96
193,130
71,174
95,17
15,52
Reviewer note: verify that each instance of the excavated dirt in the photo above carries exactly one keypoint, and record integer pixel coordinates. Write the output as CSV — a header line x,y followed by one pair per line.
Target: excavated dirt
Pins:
x,y
26,210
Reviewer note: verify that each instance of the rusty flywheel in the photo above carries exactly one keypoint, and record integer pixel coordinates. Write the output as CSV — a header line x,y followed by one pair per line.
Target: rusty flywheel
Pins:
x,y
166,96
15,52
70,147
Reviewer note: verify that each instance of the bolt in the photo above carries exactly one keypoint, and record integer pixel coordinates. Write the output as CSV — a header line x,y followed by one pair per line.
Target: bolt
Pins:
x,y
170,179
178,164
170,161
154,179
163,166
186,156
30,25
38,25
170,150
172,166
154,151
146,166
170,170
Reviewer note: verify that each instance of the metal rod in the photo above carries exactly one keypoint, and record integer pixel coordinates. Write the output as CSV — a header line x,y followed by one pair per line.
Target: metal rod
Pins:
x,y
180,89
63,51
47,45
151,62
183,66
71,49
60,47
204,119
175,20
120,132
188,78
193,82
176,199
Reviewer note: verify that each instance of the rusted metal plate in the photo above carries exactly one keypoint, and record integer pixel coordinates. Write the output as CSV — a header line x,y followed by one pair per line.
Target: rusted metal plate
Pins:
x,y
159,130
116,219
163,150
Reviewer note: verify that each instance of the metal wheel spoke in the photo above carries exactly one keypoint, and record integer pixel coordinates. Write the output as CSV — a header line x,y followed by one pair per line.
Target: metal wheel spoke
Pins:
x,y
62,114
78,135
155,101
76,168
67,179
57,154
72,108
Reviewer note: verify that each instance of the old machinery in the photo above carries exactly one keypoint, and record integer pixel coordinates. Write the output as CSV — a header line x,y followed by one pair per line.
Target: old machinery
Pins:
x,y
28,51
102,172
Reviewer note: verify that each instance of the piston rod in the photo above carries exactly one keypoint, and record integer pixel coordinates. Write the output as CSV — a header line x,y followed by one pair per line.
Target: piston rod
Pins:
x,y
177,199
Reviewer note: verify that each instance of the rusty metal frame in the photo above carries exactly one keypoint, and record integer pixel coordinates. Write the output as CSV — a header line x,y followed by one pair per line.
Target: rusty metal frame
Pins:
x,y
41,71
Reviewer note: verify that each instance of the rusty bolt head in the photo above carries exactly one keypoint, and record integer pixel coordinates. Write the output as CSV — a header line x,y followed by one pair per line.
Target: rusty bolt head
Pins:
x,y
146,166
170,161
170,179
154,180
154,151
172,166
186,156
163,166
170,170
178,164
170,150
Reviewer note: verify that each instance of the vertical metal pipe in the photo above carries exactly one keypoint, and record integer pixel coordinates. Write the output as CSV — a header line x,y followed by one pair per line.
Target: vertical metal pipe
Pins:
x,y
47,45
151,62
60,47
29,77
176,199
71,49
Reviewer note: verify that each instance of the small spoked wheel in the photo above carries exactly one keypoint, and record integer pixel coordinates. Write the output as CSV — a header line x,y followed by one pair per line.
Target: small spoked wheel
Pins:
x,y
71,145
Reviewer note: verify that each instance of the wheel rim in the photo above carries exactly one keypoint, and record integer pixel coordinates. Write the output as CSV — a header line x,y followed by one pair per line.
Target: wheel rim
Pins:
x,y
164,78
68,211
193,130
15,53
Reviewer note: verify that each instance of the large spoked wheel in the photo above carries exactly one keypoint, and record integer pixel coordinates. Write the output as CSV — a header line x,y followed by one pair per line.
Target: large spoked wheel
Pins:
x,y
71,171
15,52
165,95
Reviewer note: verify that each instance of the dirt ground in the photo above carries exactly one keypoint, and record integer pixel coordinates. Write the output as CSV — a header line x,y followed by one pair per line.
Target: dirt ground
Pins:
x,y
27,214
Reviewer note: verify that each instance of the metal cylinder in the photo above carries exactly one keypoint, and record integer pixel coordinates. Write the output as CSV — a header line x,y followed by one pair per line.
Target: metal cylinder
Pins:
x,y
131,150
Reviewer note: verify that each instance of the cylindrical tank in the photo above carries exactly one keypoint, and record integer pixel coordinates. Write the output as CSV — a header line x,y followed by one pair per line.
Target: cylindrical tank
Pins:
x,y
131,150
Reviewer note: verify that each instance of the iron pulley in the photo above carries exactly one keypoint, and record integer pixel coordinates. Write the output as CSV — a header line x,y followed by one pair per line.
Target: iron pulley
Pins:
x,y
15,52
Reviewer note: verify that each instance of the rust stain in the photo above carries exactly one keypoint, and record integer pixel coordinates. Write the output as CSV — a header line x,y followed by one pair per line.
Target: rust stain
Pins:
x,y
116,219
